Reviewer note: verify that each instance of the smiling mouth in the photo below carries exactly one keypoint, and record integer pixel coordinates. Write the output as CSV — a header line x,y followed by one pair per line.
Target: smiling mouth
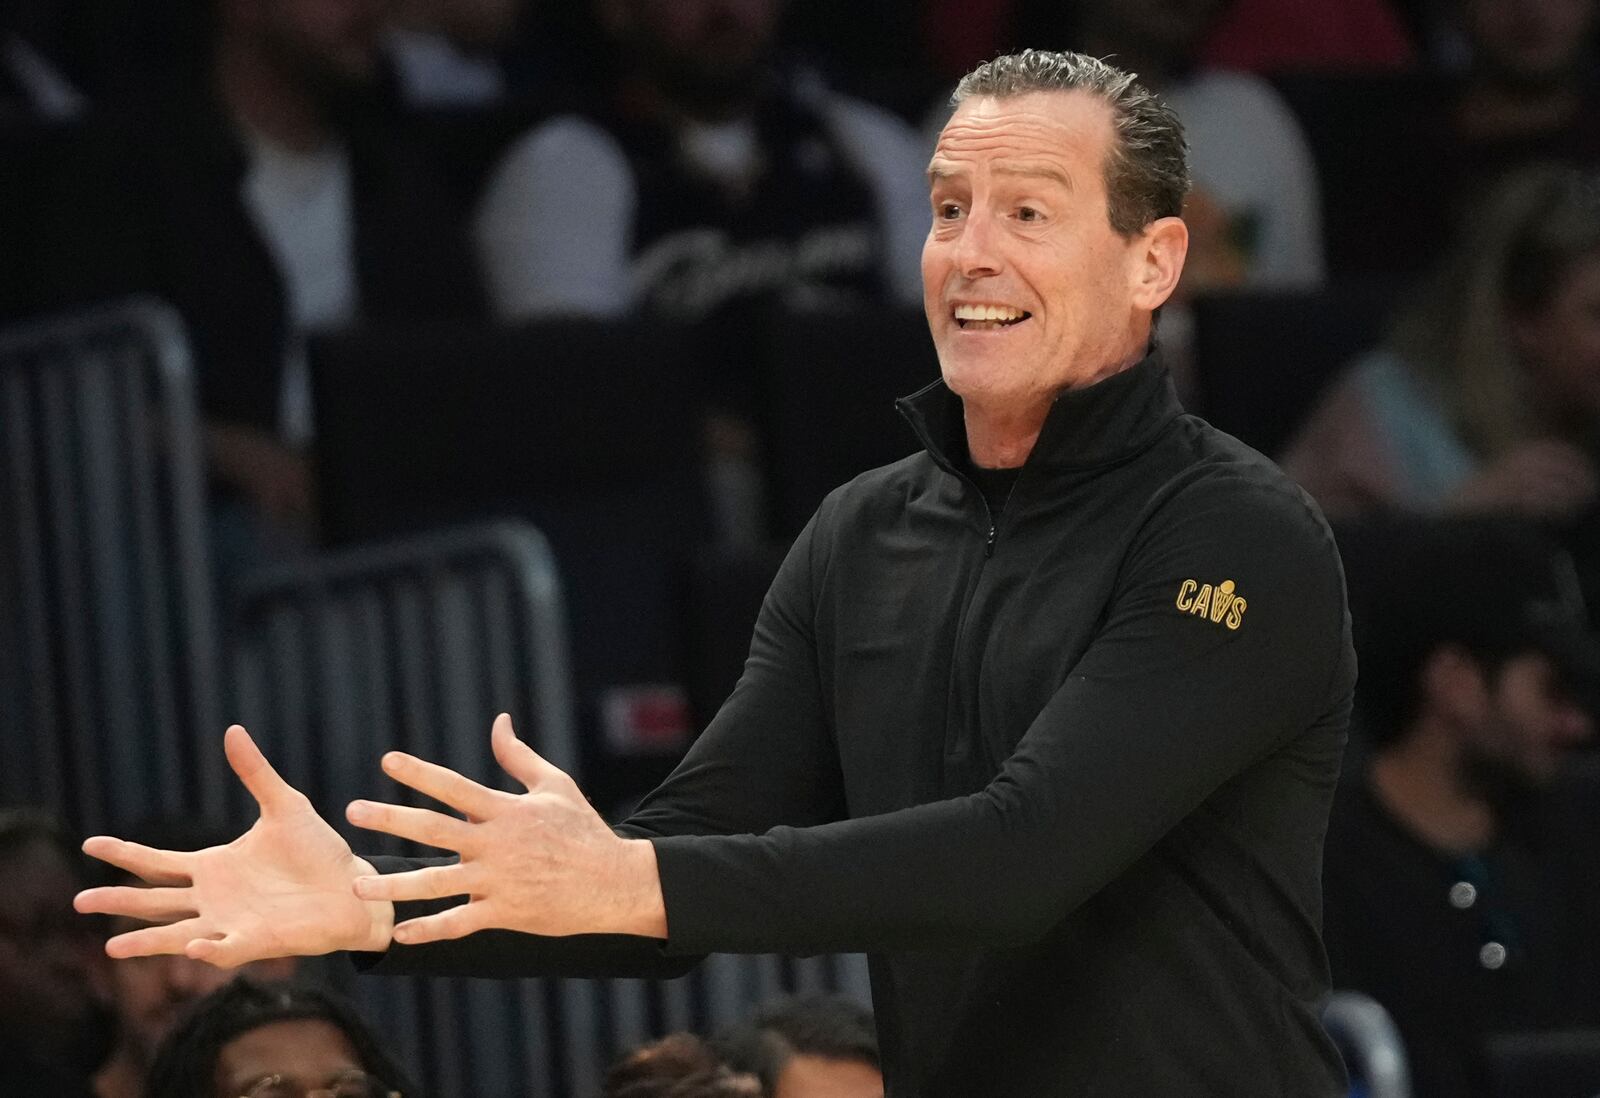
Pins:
x,y
984,318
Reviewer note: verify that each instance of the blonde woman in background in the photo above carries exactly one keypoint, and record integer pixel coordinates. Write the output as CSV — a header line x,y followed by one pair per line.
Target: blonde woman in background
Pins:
x,y
1486,395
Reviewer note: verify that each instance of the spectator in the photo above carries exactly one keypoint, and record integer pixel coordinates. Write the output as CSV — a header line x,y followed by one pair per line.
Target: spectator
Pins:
x,y
260,1042
1487,393
1474,652
822,1046
1531,91
150,994
1255,211
711,177
677,1066
51,1031
445,53
285,200
1527,94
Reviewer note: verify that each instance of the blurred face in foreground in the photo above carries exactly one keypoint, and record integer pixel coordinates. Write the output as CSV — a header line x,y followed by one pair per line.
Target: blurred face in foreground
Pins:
x,y
1027,287
287,1059
807,1076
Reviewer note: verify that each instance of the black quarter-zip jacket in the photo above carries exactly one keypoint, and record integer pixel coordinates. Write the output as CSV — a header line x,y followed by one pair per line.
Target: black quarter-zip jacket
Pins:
x,y
1064,772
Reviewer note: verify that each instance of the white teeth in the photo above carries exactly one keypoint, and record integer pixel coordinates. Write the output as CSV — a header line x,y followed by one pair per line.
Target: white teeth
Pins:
x,y
988,312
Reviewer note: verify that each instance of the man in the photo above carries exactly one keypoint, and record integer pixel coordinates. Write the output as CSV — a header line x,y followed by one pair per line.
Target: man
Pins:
x,y
1475,651
51,1028
1046,718
709,177
286,201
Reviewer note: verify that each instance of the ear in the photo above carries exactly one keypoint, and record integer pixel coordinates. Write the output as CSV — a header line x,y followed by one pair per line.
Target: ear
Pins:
x,y
1454,684
1158,254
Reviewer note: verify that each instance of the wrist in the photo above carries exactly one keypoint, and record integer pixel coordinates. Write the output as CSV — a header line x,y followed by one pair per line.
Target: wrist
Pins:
x,y
644,905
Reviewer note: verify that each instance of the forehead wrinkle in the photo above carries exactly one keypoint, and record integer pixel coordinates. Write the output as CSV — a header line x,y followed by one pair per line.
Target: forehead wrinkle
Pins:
x,y
939,171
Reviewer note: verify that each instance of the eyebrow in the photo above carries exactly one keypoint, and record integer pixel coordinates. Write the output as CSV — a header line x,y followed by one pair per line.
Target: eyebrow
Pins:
x,y
1037,171
1030,171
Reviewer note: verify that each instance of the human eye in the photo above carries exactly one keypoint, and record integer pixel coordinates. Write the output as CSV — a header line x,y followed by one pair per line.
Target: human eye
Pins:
x,y
1029,213
947,211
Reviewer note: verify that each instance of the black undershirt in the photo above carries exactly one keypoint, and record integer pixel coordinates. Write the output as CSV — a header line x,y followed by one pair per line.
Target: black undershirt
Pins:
x,y
995,484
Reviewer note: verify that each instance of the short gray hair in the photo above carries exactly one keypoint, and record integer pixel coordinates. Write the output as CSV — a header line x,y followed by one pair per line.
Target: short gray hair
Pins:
x,y
1147,173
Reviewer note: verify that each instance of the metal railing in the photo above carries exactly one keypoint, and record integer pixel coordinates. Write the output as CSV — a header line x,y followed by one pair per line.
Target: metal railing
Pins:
x,y
108,650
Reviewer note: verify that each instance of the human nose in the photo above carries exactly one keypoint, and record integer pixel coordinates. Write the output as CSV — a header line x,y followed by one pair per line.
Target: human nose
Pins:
x,y
976,254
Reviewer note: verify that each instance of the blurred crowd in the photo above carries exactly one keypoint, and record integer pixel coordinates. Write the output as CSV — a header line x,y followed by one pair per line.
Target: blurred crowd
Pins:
x,y
280,170
76,1024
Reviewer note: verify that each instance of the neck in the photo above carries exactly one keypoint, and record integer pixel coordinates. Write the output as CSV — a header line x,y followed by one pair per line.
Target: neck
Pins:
x,y
1003,439
258,94
1002,432
1419,781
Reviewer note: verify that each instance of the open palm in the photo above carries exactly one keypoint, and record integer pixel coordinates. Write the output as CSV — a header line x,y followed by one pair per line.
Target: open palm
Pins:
x,y
282,889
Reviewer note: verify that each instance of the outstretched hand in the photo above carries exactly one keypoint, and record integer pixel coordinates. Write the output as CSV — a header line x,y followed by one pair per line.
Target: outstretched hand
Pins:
x,y
282,889
543,861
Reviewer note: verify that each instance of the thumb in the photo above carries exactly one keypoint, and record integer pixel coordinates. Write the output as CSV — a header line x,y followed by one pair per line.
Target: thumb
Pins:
x,y
517,758
271,792
226,952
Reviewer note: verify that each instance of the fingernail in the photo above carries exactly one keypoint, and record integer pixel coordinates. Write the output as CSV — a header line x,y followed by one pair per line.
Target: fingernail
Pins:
x,y
358,810
364,887
402,933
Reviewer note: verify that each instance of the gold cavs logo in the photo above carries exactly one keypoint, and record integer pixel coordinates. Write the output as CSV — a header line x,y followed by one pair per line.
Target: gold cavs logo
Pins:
x,y
1222,603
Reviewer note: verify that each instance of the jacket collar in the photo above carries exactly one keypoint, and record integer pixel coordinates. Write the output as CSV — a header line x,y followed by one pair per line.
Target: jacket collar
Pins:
x,y
1101,424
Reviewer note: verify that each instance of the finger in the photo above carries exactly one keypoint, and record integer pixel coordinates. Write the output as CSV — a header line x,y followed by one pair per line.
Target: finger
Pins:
x,y
420,825
269,789
517,758
153,940
228,951
446,786
150,904
457,922
164,867
434,882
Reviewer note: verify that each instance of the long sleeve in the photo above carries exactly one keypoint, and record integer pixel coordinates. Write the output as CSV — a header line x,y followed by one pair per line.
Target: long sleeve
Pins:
x,y
767,758
1224,640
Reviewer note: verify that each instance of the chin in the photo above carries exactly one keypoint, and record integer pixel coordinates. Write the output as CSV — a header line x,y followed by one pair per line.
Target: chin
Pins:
x,y
979,381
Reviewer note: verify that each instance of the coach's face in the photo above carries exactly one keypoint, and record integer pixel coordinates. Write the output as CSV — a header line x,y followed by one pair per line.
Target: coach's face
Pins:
x,y
1027,287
